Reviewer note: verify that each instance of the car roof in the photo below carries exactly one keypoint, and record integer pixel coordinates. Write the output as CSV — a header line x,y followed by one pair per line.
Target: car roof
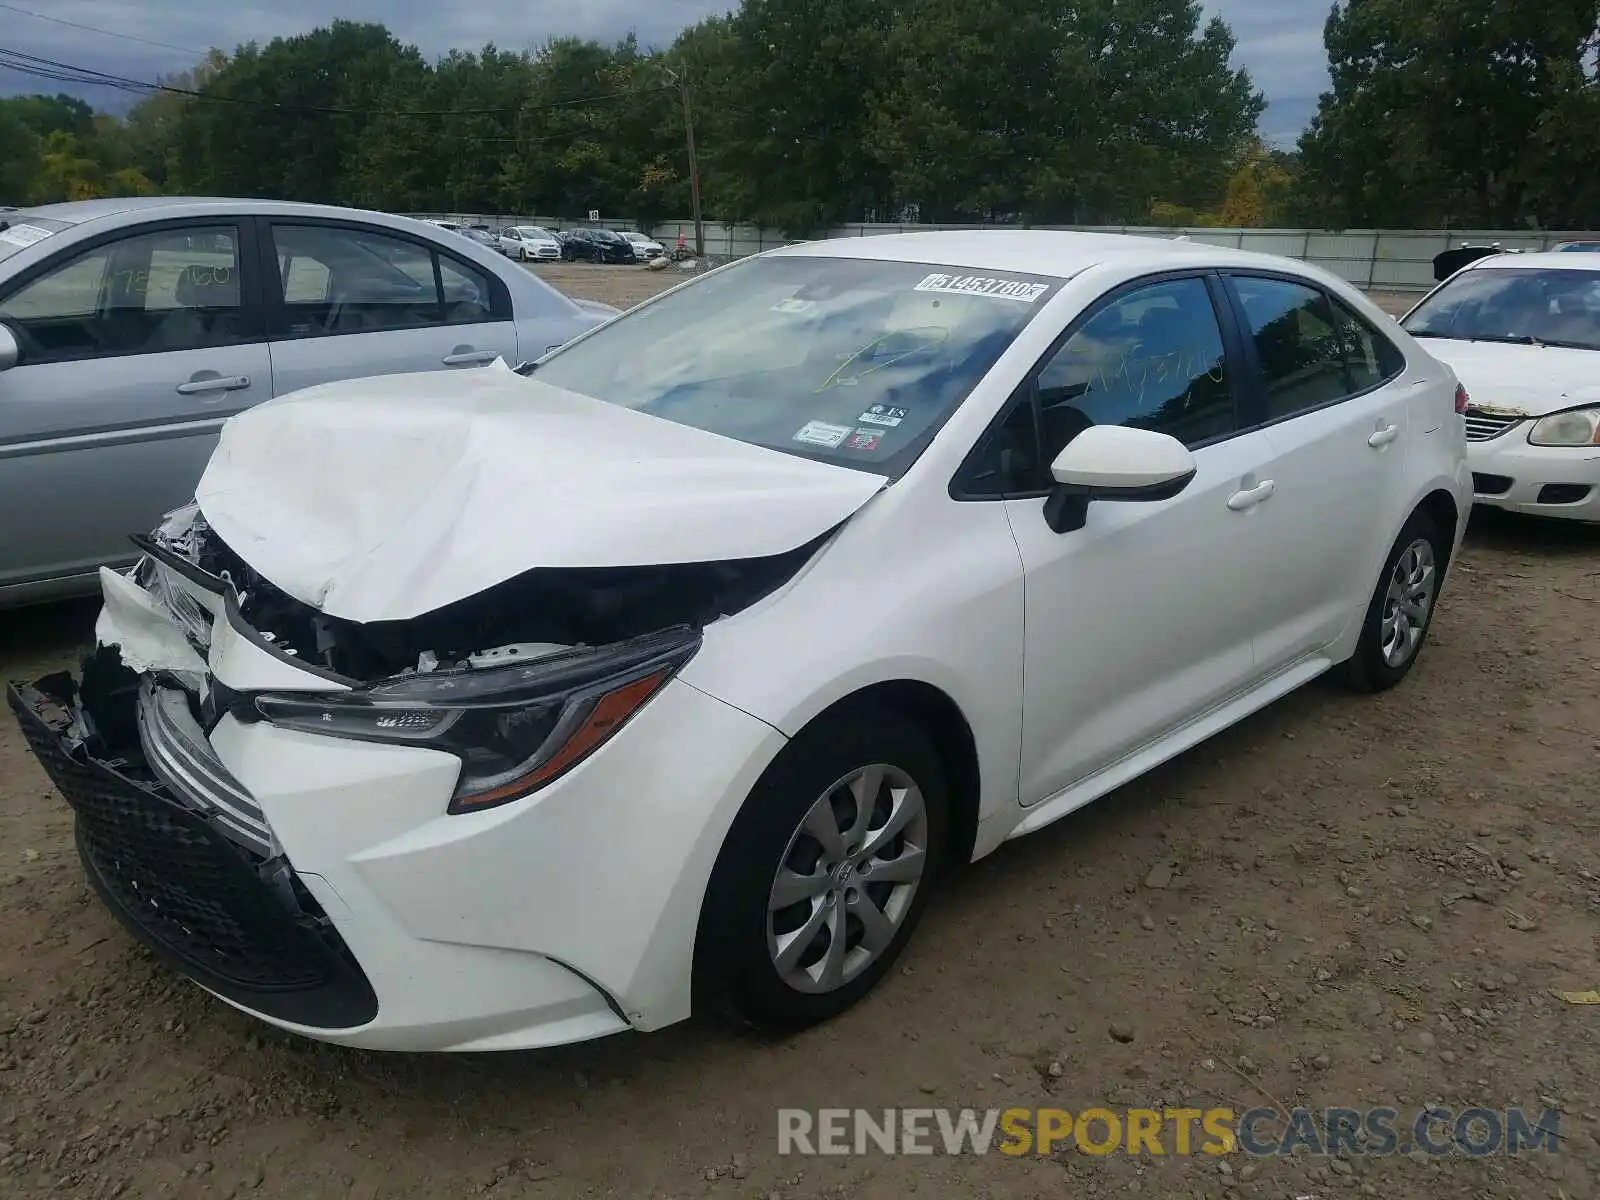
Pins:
x,y
1059,253
78,212
1549,260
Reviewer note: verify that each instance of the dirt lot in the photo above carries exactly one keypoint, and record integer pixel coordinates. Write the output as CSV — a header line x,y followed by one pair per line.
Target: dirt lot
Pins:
x,y
1372,902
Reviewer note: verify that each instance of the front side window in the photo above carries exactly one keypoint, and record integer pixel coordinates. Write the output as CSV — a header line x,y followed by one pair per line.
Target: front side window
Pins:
x,y
174,289
1152,359
337,280
1299,346
853,361
1527,305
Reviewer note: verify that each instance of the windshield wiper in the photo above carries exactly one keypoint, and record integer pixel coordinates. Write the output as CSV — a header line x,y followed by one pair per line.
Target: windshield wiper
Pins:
x,y
1509,339
1558,344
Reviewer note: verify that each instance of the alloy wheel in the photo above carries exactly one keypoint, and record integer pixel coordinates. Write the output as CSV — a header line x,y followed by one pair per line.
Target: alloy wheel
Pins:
x,y
1408,602
847,878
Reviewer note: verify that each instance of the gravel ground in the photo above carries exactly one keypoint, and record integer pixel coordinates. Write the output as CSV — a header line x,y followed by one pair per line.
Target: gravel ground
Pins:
x,y
1343,901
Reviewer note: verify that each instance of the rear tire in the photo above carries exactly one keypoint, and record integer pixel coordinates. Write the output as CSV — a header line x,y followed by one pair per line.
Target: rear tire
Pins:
x,y
825,873
1401,610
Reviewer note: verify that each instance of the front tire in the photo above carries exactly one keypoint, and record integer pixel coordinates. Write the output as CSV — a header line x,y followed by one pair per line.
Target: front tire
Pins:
x,y
825,873
1401,610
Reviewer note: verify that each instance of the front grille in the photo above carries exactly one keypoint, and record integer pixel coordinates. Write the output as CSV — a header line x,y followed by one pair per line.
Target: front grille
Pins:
x,y
192,894
1563,493
1491,485
1482,426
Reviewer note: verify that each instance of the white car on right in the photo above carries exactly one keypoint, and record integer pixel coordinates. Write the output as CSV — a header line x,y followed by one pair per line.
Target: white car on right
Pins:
x,y
1522,333
644,246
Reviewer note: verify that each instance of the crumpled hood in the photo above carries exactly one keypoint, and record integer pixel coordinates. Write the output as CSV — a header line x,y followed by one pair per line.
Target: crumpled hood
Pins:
x,y
1528,381
382,499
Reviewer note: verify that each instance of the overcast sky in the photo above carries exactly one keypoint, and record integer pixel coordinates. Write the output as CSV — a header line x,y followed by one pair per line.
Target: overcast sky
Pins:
x,y
1280,41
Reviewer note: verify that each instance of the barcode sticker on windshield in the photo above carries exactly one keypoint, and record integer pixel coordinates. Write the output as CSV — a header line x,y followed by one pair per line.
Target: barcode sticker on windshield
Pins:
x,y
983,285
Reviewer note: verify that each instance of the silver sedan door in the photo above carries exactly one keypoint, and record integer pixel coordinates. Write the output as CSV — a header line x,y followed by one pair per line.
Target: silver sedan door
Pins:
x,y
134,349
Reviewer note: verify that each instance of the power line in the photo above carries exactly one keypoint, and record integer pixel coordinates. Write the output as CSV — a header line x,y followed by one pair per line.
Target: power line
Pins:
x,y
127,37
45,68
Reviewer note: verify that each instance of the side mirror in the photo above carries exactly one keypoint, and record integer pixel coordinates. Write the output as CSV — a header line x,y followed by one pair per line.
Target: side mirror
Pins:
x,y
1115,463
10,348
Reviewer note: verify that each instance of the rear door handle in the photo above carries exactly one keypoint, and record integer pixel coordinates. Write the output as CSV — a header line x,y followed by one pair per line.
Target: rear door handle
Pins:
x,y
220,383
1382,437
469,358
1249,498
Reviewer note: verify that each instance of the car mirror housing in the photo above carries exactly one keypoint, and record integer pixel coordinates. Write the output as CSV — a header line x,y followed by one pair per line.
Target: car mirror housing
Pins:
x,y
10,348
1115,463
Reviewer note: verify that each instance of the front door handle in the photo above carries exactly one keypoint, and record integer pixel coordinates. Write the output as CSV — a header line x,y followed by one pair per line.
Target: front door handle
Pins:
x,y
469,358
1383,436
1250,497
217,383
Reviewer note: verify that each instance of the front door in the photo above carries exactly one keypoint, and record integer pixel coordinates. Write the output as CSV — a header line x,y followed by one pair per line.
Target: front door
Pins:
x,y
135,349
1139,621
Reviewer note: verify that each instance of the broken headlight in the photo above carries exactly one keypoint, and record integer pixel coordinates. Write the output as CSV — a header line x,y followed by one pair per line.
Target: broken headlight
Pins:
x,y
515,728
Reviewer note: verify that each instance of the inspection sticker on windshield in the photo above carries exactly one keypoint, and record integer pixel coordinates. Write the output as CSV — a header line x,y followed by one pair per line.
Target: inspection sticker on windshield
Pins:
x,y
883,414
820,433
983,285
23,235
864,439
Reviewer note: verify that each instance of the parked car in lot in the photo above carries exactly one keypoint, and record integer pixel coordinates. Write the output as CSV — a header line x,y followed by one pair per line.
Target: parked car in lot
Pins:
x,y
644,248
680,596
130,329
1581,246
529,243
597,246
481,235
1523,333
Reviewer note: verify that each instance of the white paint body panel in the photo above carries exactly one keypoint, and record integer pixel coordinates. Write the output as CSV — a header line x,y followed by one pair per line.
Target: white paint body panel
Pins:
x,y
381,499
1077,660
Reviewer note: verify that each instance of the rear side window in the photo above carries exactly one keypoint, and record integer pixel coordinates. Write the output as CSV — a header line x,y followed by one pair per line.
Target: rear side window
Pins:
x,y
1312,351
1370,358
338,280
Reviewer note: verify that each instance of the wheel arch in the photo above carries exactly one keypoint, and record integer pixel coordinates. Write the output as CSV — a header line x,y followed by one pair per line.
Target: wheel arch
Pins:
x,y
1441,508
933,711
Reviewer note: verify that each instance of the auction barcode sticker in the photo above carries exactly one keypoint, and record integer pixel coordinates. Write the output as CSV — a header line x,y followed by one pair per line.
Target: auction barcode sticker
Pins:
x,y
983,285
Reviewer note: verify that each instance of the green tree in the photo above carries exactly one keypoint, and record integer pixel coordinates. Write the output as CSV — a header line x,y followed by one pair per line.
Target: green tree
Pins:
x,y
1061,110
1464,112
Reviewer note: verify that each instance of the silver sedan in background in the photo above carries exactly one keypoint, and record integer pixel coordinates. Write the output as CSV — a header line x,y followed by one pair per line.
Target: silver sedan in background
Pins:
x,y
131,329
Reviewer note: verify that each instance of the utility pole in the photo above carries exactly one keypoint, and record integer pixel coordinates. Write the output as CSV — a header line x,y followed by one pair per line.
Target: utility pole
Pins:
x,y
694,163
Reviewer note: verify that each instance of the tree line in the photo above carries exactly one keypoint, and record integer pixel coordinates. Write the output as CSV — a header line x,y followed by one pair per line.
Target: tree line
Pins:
x,y
809,113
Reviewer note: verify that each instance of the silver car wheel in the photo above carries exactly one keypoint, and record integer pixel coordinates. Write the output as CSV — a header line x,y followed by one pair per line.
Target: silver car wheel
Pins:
x,y
847,879
1408,603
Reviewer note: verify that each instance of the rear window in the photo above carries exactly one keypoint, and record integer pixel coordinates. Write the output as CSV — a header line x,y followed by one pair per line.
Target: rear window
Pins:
x,y
851,361
18,231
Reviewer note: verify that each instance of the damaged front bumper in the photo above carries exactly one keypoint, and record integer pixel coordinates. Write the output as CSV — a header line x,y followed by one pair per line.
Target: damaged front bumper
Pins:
x,y
197,880
322,884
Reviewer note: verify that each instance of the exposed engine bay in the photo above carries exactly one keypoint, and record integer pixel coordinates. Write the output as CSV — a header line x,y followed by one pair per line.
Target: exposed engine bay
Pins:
x,y
542,611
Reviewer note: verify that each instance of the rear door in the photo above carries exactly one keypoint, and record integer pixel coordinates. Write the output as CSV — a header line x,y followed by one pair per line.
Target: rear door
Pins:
x,y
1331,392
346,301
135,348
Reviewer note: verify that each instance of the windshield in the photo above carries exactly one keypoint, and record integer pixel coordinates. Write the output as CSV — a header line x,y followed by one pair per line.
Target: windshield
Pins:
x,y
1529,305
849,361
21,230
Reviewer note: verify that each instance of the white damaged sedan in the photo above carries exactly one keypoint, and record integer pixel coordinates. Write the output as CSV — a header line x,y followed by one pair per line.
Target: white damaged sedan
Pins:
x,y
514,708
1523,333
